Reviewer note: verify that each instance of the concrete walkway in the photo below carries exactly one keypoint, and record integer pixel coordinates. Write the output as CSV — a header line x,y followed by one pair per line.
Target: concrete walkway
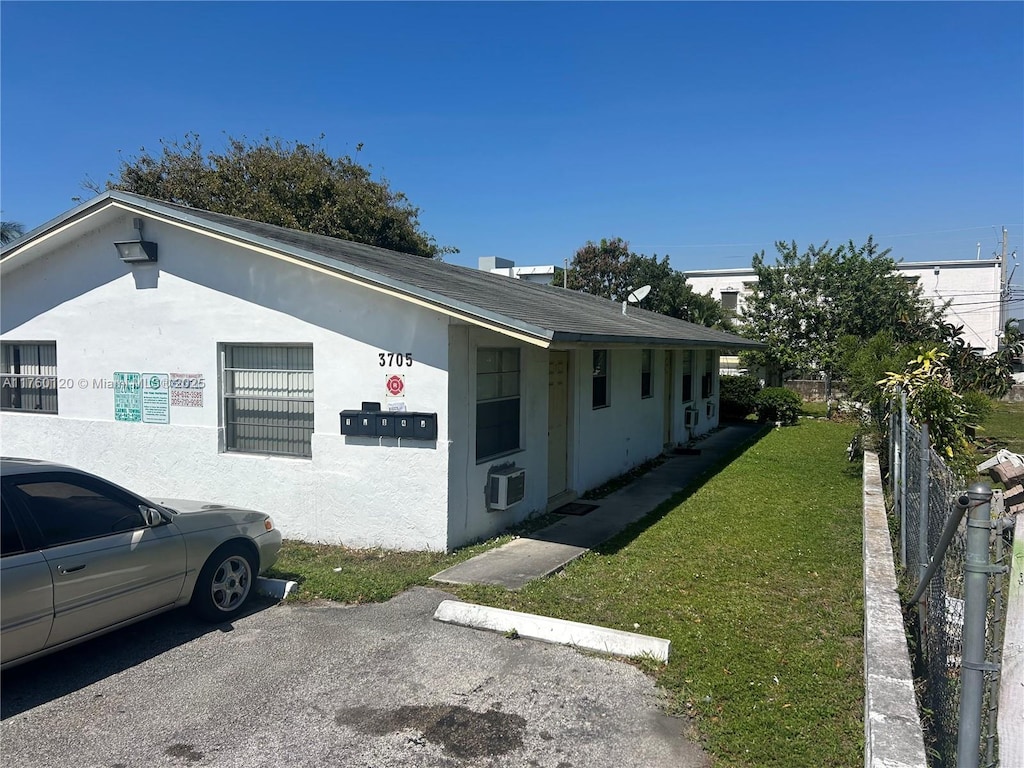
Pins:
x,y
550,549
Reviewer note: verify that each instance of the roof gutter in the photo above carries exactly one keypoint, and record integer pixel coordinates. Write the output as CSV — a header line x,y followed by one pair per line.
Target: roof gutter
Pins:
x,y
654,341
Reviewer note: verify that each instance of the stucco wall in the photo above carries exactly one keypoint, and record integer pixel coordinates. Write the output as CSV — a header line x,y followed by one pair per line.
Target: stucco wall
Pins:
x,y
630,431
624,434
469,519
170,317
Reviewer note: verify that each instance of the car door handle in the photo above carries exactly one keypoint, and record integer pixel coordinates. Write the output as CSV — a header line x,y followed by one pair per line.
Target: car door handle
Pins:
x,y
72,569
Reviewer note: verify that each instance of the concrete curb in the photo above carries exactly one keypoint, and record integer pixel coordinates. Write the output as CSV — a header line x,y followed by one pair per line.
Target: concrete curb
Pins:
x,y
276,588
893,736
559,631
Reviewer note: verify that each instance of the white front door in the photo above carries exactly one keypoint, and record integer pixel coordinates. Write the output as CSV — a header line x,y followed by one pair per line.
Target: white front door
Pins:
x,y
558,422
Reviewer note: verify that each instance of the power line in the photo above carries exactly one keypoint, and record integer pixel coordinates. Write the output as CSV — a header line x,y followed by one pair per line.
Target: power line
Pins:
x,y
941,231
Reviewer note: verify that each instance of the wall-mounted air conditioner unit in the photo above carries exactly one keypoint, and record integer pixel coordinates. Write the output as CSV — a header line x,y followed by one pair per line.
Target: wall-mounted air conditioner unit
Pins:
x,y
712,409
690,418
505,487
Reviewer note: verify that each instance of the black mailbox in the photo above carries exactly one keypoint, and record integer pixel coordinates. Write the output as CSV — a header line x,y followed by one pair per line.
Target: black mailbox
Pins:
x,y
403,423
384,424
370,406
424,426
367,424
350,422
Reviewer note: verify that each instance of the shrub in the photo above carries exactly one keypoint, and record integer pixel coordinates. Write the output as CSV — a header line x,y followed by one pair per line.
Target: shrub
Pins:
x,y
738,396
778,404
977,405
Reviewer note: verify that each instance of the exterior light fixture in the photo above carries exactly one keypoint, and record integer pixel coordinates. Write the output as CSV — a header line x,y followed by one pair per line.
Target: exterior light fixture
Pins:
x,y
136,251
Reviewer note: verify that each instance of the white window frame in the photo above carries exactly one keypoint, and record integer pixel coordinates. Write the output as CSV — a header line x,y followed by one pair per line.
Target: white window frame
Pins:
x,y
499,390
686,372
605,374
646,369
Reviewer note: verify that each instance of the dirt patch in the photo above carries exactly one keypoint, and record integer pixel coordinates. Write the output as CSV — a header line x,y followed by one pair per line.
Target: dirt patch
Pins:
x,y
460,731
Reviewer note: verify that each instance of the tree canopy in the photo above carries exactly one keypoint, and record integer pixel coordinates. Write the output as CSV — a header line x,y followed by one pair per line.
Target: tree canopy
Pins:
x,y
289,184
10,230
610,269
805,303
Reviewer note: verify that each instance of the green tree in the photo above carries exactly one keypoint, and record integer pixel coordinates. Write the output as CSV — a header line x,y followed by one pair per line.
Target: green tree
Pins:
x,y
10,230
601,268
971,371
804,303
289,184
610,269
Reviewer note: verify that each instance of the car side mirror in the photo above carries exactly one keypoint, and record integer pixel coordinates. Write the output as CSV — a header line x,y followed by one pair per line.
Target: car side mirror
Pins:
x,y
151,515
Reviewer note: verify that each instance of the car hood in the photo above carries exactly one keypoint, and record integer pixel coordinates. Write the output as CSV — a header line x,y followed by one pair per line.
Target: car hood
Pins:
x,y
195,515
190,507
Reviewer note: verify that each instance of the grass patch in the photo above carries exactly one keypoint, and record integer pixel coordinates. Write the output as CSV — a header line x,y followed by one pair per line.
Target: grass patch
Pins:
x,y
1004,428
362,575
814,409
755,577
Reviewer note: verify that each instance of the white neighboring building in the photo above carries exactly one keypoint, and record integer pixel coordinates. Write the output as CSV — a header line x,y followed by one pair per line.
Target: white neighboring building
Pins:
x,y
972,287
359,395
496,265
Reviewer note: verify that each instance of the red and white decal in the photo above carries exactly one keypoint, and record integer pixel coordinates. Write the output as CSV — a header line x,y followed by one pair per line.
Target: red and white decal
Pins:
x,y
395,385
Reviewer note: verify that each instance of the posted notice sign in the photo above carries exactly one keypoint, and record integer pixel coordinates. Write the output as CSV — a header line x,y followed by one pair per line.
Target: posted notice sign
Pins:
x,y
156,400
127,396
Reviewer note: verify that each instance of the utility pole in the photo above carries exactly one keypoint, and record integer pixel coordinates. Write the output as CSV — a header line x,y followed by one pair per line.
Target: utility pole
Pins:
x,y
1004,291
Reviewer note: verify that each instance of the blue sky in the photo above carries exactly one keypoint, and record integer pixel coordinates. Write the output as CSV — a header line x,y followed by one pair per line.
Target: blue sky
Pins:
x,y
702,131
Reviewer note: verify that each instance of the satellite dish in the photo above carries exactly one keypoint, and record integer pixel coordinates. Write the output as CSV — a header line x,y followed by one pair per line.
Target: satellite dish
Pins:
x,y
635,297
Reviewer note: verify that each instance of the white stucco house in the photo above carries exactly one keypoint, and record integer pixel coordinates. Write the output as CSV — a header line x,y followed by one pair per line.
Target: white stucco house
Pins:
x,y
359,395
973,289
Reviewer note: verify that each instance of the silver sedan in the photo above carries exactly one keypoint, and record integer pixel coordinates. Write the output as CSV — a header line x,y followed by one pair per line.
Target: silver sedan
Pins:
x,y
80,556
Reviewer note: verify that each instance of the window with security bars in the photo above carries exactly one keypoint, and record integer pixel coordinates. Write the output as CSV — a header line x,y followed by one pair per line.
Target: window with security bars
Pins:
x,y
29,376
497,402
268,398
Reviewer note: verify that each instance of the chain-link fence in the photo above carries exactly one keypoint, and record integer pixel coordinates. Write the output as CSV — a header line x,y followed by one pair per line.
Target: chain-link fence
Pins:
x,y
932,542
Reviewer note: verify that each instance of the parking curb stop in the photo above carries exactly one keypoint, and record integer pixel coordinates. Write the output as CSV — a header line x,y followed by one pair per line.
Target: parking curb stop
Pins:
x,y
276,588
558,631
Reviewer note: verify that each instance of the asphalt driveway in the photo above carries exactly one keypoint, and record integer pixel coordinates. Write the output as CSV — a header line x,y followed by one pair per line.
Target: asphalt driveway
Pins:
x,y
329,685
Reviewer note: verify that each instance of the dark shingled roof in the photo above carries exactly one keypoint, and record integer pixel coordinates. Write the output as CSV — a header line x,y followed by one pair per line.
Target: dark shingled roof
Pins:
x,y
539,311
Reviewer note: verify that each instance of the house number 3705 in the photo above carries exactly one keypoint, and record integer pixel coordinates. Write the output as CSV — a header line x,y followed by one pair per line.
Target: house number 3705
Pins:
x,y
391,359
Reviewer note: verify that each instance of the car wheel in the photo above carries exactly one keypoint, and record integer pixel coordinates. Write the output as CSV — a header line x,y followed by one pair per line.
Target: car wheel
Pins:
x,y
225,583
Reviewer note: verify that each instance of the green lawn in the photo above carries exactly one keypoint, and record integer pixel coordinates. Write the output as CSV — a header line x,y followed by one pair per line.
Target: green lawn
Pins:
x,y
755,577
1004,428
814,409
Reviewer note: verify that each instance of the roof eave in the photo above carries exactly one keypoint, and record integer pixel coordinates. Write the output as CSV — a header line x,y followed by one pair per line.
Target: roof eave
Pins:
x,y
560,337
472,314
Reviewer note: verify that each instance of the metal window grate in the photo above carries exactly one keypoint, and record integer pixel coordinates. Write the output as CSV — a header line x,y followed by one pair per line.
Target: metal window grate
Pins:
x,y
29,377
268,399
